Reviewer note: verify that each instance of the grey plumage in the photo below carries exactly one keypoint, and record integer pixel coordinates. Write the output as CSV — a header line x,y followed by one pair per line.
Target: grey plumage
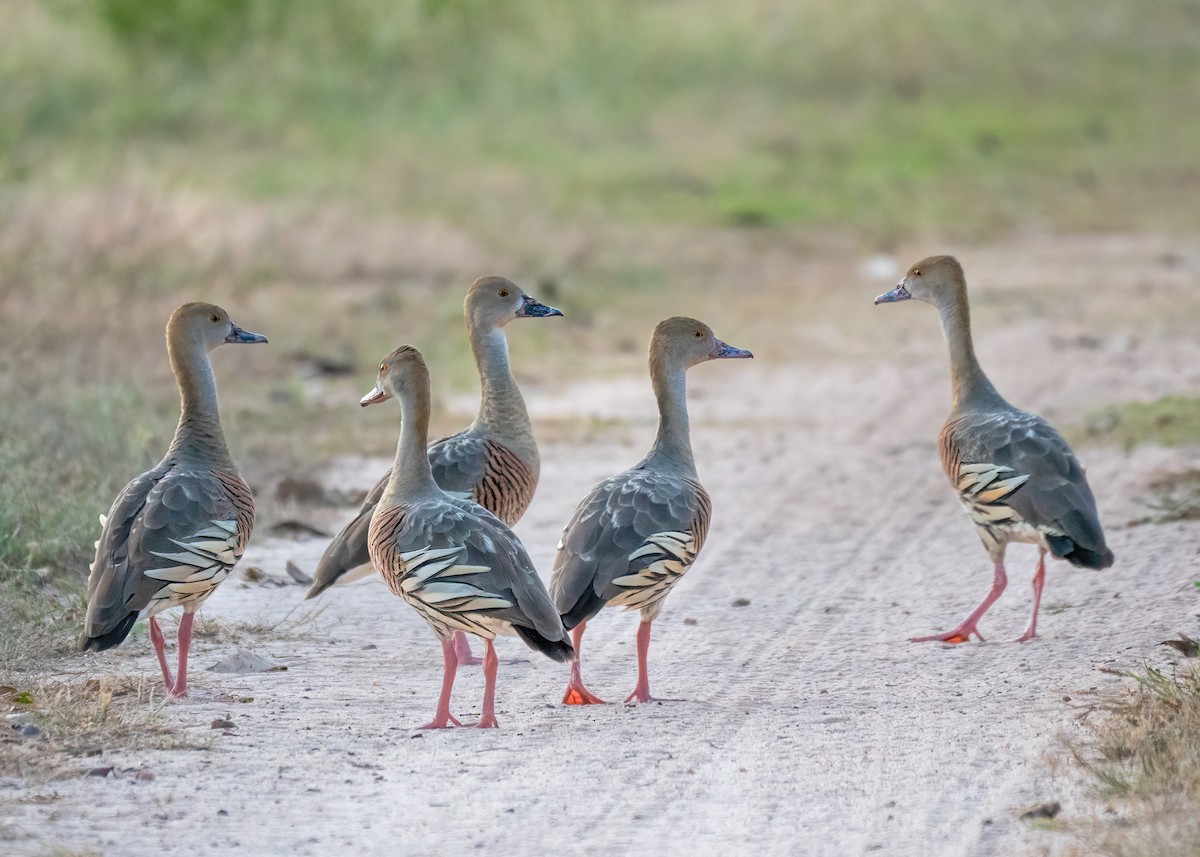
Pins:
x,y
457,463
612,524
179,518
1053,496
464,570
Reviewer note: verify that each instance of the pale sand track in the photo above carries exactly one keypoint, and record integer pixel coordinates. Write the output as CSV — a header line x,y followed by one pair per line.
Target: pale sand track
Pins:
x,y
812,728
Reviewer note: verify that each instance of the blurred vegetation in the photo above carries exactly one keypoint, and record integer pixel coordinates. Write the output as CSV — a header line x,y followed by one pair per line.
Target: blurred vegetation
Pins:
x,y
63,457
1170,421
888,118
56,479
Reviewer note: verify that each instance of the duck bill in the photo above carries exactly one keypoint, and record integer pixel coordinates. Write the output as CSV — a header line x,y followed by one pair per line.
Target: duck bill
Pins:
x,y
725,351
243,337
531,308
897,294
374,397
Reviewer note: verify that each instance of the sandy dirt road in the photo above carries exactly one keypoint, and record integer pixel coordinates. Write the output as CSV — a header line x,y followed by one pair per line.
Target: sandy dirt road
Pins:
x,y
810,726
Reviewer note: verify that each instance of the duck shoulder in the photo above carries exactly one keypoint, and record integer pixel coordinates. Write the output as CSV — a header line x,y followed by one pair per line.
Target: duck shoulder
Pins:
x,y
1010,459
492,473
170,537
628,542
462,569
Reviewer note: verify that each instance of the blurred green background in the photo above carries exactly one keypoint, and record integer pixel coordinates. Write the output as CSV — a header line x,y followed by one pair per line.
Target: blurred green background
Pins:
x,y
335,173
884,117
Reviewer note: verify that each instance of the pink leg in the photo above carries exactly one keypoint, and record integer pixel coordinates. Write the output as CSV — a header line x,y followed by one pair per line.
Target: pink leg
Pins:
x,y
641,693
156,640
576,693
442,718
184,643
462,650
1039,580
491,663
967,627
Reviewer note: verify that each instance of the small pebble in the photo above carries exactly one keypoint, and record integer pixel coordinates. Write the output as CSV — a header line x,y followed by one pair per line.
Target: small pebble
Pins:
x,y
1045,810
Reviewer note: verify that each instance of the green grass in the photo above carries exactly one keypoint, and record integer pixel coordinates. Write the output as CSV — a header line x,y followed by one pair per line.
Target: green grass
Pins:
x,y
56,479
880,117
64,454
1169,421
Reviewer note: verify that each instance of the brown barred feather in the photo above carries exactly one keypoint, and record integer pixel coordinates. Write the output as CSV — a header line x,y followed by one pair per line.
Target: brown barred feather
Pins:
x,y
949,450
385,551
507,485
703,517
243,501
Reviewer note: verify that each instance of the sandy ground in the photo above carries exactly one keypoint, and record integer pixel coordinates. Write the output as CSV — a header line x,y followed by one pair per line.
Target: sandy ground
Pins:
x,y
810,726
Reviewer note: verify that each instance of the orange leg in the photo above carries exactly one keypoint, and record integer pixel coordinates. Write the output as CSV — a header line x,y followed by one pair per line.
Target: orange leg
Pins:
x,y
576,693
442,718
968,626
1039,580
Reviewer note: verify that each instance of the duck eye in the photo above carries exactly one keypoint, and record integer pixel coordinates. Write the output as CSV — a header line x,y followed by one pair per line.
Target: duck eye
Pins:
x,y
214,318
504,293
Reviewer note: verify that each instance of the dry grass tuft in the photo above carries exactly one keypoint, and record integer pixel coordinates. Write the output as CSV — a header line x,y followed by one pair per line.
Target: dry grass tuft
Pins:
x,y
1145,757
39,621
80,723
261,628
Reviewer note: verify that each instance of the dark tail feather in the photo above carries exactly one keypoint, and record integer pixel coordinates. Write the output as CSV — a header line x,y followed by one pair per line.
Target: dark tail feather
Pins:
x,y
588,605
348,550
109,639
557,650
1065,548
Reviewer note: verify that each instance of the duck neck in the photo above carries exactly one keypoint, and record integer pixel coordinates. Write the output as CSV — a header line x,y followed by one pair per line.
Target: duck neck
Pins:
x,y
411,476
199,434
501,407
969,385
673,444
